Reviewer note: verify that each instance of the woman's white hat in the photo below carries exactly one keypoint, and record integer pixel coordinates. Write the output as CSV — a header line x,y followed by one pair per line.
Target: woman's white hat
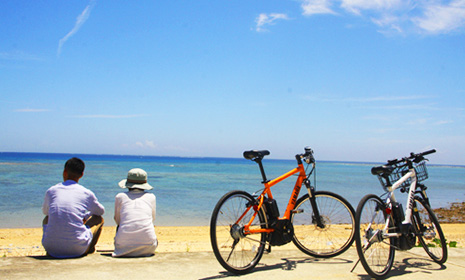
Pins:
x,y
137,179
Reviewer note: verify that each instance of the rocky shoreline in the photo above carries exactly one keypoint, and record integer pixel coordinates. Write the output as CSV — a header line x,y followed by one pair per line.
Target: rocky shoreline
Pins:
x,y
455,213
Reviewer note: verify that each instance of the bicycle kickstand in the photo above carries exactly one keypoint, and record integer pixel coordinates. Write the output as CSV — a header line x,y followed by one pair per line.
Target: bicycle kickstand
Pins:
x,y
268,250
353,268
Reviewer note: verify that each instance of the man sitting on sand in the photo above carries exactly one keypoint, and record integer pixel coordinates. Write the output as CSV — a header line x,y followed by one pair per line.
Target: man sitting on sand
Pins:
x,y
73,219
134,215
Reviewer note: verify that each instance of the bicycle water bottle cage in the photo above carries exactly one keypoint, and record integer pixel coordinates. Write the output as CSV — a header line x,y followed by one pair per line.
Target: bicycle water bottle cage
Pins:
x,y
256,154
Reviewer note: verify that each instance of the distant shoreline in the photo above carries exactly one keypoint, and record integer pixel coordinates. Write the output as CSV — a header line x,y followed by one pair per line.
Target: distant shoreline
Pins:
x,y
116,156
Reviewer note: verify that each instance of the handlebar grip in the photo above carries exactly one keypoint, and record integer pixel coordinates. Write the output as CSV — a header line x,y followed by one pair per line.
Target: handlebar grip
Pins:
x,y
417,158
428,152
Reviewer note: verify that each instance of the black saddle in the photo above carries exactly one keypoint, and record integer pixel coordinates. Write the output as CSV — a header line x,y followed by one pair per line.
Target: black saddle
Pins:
x,y
256,154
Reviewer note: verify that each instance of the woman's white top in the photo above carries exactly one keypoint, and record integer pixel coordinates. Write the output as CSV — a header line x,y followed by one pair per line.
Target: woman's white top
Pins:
x,y
134,214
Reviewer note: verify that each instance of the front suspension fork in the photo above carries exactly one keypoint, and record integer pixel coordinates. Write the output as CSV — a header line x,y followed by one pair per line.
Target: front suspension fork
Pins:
x,y
316,218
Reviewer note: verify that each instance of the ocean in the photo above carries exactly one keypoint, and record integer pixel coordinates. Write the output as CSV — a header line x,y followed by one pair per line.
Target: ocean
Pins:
x,y
187,189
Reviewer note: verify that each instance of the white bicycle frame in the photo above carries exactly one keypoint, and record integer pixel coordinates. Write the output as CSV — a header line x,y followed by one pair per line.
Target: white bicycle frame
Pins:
x,y
410,199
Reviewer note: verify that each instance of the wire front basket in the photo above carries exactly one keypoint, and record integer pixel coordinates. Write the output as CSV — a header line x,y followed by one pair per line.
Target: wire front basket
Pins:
x,y
420,169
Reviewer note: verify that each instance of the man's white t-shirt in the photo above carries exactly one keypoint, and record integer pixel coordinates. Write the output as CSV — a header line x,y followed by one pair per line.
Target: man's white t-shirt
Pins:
x,y
67,204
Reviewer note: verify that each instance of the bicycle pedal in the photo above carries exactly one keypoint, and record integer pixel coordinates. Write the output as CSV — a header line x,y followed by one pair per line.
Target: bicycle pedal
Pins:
x,y
297,211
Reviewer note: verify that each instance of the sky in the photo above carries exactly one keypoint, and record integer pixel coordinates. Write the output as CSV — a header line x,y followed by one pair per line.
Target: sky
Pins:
x,y
356,80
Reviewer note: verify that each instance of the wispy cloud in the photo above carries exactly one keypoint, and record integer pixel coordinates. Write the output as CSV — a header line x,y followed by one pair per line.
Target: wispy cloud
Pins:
x,y
107,116
146,144
442,17
264,20
358,6
429,17
81,19
313,7
366,99
19,55
29,110
442,122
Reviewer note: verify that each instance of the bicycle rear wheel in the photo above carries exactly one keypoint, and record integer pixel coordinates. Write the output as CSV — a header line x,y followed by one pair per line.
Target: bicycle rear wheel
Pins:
x,y
429,231
375,251
236,252
337,233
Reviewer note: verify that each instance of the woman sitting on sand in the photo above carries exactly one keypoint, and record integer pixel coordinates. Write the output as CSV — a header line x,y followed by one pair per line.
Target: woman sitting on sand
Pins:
x,y
134,215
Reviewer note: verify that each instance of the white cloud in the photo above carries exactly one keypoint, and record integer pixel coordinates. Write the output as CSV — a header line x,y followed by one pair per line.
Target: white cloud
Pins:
x,y
418,122
18,55
385,98
443,122
312,7
28,110
268,19
442,18
107,116
430,16
356,6
388,21
81,19
146,144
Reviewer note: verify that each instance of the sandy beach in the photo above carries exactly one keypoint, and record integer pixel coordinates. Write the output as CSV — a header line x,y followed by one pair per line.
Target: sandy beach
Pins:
x,y
27,241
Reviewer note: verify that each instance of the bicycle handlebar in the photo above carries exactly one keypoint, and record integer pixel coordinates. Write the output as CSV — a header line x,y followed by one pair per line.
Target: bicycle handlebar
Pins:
x,y
307,156
413,157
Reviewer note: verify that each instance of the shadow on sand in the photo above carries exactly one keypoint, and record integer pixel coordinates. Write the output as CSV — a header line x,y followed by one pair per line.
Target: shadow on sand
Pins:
x,y
410,265
286,264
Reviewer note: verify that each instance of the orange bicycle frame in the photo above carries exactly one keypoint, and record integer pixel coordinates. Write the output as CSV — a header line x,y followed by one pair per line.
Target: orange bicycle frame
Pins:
x,y
267,190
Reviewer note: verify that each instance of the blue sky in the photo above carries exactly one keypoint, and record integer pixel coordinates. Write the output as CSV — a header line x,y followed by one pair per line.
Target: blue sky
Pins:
x,y
357,80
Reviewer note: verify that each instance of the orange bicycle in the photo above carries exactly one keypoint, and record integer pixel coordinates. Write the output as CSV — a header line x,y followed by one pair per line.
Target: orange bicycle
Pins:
x,y
320,223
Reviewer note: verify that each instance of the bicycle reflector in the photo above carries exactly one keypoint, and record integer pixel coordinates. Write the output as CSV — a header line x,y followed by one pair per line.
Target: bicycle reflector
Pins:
x,y
388,210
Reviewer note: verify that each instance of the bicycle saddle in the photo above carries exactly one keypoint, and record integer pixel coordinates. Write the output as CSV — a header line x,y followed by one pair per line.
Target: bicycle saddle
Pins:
x,y
381,170
256,154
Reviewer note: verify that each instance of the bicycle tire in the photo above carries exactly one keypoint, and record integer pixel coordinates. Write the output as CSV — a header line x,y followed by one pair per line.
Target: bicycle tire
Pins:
x,y
238,254
338,233
375,252
429,231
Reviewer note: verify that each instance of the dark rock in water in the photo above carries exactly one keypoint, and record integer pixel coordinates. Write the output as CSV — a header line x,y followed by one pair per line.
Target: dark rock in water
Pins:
x,y
455,213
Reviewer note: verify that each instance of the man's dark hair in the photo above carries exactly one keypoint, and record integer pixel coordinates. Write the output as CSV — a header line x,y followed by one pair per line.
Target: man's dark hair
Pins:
x,y
75,167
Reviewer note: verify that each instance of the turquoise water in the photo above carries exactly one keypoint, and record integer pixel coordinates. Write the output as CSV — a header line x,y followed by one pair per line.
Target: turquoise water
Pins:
x,y
187,189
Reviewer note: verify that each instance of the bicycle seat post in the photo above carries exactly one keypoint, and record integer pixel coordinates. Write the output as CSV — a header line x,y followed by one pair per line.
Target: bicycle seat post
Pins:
x,y
262,170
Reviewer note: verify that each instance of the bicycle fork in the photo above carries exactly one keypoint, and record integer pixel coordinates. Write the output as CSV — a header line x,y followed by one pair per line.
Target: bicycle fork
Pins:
x,y
316,218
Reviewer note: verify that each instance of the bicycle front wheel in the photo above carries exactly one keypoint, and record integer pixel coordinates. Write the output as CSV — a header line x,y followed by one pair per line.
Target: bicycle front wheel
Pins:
x,y
236,252
375,251
429,231
333,235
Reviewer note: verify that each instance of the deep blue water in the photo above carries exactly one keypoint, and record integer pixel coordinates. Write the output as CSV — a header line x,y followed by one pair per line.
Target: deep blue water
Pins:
x,y
187,189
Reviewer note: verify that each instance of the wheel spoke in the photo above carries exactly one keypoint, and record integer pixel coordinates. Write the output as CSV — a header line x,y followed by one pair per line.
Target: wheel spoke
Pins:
x,y
375,252
235,251
336,234
429,232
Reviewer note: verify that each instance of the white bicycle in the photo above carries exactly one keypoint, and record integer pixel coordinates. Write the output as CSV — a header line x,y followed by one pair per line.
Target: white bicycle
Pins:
x,y
381,226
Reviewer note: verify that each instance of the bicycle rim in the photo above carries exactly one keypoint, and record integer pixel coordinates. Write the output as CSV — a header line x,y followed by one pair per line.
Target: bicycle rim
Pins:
x,y
235,252
374,251
429,232
336,234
